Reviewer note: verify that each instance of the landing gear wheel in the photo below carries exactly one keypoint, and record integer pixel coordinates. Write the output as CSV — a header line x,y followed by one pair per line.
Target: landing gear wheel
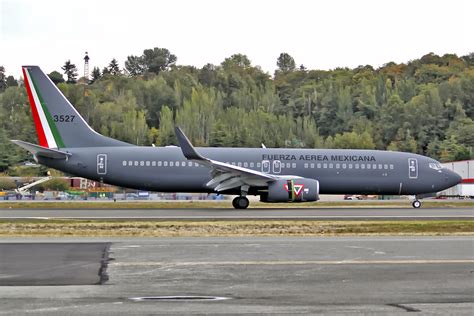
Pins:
x,y
240,202
416,204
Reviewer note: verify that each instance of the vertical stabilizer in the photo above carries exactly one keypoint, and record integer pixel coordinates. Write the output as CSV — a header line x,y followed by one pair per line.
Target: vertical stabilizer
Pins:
x,y
58,124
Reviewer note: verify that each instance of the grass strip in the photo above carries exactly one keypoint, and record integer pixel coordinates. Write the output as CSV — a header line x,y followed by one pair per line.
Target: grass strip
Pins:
x,y
222,204
81,228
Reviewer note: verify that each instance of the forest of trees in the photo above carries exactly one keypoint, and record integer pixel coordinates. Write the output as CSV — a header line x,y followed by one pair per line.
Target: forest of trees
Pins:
x,y
424,106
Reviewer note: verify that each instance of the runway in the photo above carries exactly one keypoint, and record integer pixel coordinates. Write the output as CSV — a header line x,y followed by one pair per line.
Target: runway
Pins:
x,y
250,275
249,214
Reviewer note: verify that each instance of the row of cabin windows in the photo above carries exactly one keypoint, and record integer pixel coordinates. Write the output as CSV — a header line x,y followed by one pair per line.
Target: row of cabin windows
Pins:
x,y
369,166
148,163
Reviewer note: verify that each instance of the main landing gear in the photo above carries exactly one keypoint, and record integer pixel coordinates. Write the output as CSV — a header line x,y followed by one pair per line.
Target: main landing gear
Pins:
x,y
240,202
416,204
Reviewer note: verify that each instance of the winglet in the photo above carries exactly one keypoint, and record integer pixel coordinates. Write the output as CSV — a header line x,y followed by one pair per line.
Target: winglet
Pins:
x,y
186,147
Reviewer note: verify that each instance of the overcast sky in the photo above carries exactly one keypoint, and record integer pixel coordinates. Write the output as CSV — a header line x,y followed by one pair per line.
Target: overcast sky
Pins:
x,y
318,34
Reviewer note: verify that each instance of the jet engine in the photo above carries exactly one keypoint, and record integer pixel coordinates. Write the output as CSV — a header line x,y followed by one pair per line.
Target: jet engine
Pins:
x,y
294,190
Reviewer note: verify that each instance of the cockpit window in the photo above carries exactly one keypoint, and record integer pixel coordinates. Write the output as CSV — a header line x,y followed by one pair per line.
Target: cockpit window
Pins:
x,y
435,166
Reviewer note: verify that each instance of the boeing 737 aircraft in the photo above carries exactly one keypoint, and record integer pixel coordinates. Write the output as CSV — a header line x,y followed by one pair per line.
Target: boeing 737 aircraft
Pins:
x,y
69,144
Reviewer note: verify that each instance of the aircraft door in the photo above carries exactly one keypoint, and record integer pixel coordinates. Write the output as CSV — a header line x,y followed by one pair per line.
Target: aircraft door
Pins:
x,y
276,166
101,164
412,168
266,166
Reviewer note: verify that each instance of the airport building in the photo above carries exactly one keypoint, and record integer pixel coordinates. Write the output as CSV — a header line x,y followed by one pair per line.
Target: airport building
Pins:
x,y
465,169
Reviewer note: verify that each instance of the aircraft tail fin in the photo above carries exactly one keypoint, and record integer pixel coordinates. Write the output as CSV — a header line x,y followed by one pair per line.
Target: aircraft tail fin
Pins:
x,y
58,124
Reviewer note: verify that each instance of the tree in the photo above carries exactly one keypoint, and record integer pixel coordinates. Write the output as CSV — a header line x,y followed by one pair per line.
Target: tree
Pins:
x,y
286,63
157,59
70,70
135,65
114,68
56,77
3,83
96,75
11,82
236,60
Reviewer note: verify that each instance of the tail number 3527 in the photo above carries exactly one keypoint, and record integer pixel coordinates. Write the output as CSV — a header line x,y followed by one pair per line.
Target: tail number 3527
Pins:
x,y
64,118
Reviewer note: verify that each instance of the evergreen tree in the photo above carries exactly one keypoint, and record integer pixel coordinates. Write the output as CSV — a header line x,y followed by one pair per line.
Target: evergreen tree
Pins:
x,y
114,68
70,71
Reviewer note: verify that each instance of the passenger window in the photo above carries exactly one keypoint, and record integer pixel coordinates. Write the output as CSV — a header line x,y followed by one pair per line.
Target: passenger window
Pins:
x,y
312,165
171,163
159,163
391,167
246,164
318,166
252,165
356,166
165,163
135,163
153,163
239,164
190,164
325,165
368,166
344,166
374,166
350,166
338,166
288,165
380,166
147,163
306,165
331,166
196,164
183,164
385,166
130,163
293,165
258,165
124,163
362,166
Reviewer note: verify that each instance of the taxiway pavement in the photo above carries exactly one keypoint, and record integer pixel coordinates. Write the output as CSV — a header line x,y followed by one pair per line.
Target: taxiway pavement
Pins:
x,y
248,214
264,275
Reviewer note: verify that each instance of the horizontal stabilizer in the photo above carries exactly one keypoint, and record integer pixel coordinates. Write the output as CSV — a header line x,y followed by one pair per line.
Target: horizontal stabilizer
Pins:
x,y
42,151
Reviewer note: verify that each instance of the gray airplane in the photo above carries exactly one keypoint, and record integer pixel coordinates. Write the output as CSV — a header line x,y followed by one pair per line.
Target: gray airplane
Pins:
x,y
69,144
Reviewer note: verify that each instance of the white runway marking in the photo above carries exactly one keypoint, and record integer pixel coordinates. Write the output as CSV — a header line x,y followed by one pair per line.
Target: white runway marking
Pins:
x,y
291,262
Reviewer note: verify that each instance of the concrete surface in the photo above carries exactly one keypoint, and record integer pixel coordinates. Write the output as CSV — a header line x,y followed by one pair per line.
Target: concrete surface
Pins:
x,y
53,263
273,275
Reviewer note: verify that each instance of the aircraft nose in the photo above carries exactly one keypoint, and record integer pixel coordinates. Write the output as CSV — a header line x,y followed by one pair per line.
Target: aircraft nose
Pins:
x,y
452,178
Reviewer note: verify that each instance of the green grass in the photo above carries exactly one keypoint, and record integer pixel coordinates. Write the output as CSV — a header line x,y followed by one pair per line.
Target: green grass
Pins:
x,y
222,204
81,228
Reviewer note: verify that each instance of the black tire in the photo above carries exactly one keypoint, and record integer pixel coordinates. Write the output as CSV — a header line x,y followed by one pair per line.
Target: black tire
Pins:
x,y
416,204
240,202
234,202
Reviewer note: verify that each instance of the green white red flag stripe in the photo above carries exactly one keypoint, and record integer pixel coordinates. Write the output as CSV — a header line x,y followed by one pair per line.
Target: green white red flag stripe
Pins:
x,y
45,126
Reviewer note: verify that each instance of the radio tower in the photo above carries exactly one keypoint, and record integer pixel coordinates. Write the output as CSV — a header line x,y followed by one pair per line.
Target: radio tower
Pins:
x,y
86,66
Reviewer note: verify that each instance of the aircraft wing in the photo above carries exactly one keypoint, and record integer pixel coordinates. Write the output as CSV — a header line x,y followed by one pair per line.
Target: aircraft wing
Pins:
x,y
224,176
38,150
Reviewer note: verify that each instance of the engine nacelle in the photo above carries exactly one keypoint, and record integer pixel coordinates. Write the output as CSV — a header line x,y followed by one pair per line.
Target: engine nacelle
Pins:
x,y
294,190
